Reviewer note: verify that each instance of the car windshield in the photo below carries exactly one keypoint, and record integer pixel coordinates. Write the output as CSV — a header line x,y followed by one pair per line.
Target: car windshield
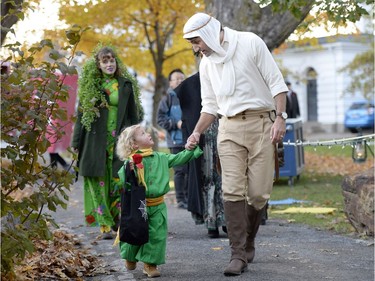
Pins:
x,y
361,106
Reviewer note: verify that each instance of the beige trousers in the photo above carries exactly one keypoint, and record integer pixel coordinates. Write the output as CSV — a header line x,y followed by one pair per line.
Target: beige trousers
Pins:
x,y
247,157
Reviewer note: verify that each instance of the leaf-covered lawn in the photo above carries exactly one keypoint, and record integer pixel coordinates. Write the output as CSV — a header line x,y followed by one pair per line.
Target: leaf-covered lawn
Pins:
x,y
324,164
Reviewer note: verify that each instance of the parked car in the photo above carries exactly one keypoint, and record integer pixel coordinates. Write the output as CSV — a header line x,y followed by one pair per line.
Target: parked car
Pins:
x,y
359,116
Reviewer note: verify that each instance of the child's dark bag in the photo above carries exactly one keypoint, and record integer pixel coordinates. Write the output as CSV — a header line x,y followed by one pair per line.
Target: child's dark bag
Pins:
x,y
134,220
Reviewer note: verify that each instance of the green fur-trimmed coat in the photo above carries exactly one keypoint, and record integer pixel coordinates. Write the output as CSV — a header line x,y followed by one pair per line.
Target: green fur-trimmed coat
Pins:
x,y
92,144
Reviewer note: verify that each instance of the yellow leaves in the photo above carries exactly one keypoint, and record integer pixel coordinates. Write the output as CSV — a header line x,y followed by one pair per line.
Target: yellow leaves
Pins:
x,y
145,32
37,167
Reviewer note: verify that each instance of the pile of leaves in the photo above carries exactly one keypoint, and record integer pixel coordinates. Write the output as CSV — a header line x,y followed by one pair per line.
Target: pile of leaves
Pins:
x,y
334,165
61,258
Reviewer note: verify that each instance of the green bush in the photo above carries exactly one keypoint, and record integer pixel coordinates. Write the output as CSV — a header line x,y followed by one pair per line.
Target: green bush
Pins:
x,y
30,95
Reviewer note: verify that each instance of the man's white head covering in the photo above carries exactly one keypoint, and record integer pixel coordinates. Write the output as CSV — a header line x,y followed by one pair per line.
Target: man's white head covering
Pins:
x,y
208,29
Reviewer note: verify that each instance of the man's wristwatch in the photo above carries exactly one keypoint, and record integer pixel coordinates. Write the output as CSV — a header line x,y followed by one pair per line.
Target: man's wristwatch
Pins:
x,y
283,115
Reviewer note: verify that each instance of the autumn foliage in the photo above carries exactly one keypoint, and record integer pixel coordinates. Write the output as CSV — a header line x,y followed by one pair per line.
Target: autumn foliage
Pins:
x,y
31,93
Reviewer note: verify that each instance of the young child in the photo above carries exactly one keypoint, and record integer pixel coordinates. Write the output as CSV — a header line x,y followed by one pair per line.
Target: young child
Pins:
x,y
156,165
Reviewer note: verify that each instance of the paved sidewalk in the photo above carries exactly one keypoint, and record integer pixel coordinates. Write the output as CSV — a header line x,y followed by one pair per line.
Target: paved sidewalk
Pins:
x,y
285,252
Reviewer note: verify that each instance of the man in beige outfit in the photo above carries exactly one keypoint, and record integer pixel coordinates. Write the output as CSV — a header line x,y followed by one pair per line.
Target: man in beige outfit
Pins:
x,y
240,83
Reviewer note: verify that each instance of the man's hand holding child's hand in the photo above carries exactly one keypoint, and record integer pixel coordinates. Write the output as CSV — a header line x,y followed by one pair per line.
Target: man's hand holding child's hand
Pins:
x,y
192,141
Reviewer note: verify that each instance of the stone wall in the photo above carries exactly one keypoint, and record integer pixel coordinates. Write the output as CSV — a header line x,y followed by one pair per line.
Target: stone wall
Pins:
x,y
358,191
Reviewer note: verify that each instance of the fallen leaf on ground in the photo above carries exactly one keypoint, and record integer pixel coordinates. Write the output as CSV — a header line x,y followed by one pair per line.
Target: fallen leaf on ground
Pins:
x,y
62,258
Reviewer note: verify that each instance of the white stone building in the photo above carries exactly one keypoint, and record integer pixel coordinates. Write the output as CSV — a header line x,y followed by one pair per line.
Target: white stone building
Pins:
x,y
318,83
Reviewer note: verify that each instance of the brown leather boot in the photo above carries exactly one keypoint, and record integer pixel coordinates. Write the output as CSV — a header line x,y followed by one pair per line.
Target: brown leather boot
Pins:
x,y
151,270
236,226
254,217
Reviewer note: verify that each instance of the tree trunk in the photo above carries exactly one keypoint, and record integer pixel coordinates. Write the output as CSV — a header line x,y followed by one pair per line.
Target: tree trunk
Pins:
x,y
246,15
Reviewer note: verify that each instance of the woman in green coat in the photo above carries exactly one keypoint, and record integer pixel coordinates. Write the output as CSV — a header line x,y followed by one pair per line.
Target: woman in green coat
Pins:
x,y
109,102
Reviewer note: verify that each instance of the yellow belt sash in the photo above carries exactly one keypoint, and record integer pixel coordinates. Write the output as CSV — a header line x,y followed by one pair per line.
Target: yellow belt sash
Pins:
x,y
154,201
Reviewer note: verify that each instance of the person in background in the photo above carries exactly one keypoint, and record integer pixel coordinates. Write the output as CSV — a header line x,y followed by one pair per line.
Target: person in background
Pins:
x,y
56,158
155,170
107,104
242,85
169,118
205,200
292,106
60,144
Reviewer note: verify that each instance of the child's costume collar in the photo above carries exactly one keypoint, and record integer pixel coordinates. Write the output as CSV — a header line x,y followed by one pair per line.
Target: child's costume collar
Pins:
x,y
137,157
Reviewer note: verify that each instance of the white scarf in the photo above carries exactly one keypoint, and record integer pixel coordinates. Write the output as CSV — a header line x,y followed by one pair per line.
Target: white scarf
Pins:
x,y
208,29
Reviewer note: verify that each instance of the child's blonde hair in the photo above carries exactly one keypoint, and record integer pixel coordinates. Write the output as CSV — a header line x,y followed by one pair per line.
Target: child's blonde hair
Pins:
x,y
126,142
